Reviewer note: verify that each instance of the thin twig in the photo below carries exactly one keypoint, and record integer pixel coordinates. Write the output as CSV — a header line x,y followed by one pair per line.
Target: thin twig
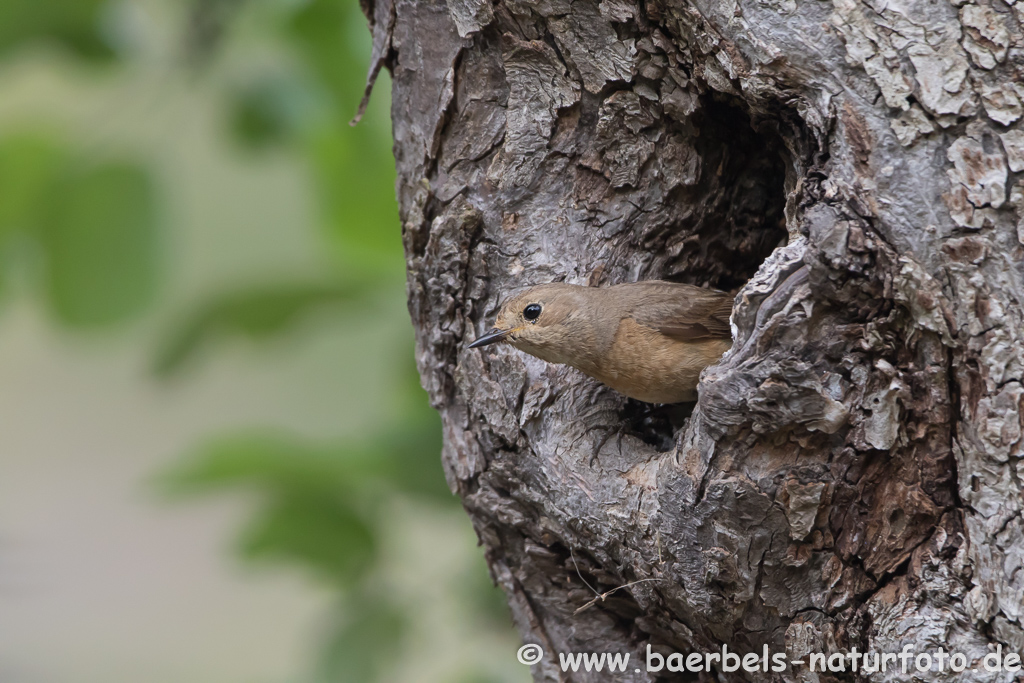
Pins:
x,y
603,596
579,574
599,596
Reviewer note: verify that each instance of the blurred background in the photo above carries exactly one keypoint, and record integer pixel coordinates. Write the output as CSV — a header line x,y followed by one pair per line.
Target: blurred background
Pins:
x,y
216,463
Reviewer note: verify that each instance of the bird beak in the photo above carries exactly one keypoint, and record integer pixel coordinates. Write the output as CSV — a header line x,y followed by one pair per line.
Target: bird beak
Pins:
x,y
492,337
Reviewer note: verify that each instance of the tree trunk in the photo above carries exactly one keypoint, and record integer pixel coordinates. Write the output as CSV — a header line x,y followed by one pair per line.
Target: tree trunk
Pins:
x,y
850,476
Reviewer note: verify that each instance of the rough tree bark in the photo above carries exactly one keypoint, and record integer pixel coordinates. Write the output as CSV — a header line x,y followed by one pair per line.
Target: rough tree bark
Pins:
x,y
851,473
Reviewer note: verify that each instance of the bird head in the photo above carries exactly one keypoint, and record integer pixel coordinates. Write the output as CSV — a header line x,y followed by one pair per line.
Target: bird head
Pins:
x,y
548,321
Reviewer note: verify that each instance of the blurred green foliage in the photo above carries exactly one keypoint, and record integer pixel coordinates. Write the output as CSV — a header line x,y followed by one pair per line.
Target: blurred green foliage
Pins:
x,y
93,227
75,25
321,506
356,178
257,313
99,237
268,112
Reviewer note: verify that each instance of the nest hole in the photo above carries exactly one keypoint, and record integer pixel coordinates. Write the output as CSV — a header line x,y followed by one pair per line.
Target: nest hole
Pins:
x,y
727,224
734,216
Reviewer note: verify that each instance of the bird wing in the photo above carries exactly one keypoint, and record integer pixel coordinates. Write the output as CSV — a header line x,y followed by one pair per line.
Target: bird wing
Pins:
x,y
683,312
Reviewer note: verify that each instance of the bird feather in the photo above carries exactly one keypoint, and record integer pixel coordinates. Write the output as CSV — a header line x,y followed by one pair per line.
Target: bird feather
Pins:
x,y
683,312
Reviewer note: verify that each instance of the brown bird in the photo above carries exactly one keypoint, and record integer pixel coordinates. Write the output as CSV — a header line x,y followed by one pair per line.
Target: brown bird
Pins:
x,y
648,340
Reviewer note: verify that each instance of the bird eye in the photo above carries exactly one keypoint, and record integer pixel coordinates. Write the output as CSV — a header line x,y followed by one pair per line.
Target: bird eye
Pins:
x,y
532,312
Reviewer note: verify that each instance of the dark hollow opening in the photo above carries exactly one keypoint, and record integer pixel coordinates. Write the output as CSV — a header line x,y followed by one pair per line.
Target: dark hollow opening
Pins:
x,y
655,425
726,225
738,203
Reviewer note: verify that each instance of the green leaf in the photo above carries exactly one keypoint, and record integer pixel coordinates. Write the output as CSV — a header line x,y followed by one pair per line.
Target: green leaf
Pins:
x,y
75,25
272,463
208,23
99,240
356,180
364,640
323,533
29,166
313,500
406,459
411,456
256,313
354,167
324,31
269,112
